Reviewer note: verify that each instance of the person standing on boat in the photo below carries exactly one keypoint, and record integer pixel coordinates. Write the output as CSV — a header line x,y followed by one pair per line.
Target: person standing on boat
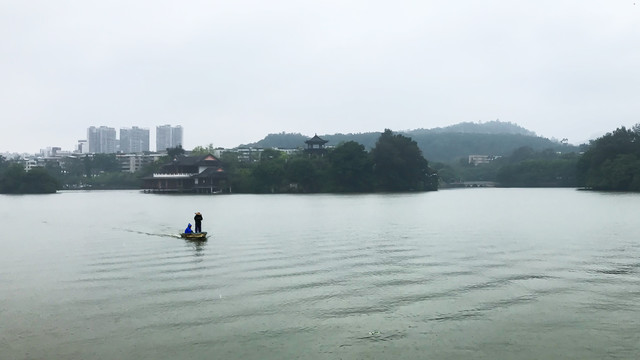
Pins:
x,y
198,220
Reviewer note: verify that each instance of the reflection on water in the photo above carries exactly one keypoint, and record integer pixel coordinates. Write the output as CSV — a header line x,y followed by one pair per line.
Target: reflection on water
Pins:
x,y
197,246
482,273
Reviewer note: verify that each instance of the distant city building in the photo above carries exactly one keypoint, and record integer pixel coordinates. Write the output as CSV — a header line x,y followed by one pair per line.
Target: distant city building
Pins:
x,y
476,160
83,147
134,162
168,136
251,154
50,151
102,140
134,140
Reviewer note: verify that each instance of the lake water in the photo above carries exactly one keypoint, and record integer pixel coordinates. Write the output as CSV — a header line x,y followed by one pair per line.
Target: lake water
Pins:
x,y
469,273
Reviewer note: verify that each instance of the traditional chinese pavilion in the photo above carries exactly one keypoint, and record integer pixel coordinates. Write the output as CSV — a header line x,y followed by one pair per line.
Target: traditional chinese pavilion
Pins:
x,y
315,145
195,174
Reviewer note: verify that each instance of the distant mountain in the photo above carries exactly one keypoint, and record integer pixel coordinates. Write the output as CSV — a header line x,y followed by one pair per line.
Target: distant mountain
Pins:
x,y
281,140
446,144
491,127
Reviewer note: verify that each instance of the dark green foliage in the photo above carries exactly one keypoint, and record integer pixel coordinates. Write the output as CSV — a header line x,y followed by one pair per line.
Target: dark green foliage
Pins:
x,y
446,173
114,180
77,167
268,174
351,168
104,163
302,171
539,171
399,164
15,180
11,180
38,181
612,161
525,167
176,151
346,168
239,173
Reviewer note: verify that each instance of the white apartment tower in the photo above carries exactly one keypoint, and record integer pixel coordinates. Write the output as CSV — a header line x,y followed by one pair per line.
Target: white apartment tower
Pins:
x,y
102,140
134,140
168,137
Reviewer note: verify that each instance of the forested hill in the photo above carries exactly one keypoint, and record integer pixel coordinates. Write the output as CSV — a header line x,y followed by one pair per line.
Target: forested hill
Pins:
x,y
446,145
491,127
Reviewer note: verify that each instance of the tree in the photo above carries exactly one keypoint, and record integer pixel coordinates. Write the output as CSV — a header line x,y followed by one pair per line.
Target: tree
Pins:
x,y
239,173
203,150
104,163
400,166
39,181
3,164
528,168
268,173
270,154
446,173
612,161
176,151
302,172
11,180
15,180
351,168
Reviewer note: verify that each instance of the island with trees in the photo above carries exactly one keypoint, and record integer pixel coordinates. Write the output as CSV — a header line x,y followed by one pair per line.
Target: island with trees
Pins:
x,y
394,164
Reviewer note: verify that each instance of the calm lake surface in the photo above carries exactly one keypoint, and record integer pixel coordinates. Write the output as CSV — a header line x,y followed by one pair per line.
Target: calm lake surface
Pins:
x,y
469,273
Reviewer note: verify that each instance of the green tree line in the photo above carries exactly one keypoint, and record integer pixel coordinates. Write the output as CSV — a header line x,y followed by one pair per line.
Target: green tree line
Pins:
x,y
609,163
394,164
524,167
612,161
15,180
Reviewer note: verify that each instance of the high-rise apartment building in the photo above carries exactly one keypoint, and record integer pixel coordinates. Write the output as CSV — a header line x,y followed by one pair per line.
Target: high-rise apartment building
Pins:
x,y
102,140
168,137
134,140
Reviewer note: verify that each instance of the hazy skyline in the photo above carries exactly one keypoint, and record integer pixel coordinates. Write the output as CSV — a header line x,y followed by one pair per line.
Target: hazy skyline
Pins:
x,y
233,72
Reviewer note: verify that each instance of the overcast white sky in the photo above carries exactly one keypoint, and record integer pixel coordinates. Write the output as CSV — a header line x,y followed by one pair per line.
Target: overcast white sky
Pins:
x,y
230,72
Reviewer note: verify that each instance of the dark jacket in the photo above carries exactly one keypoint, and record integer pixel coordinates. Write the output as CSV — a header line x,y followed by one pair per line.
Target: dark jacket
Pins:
x,y
197,218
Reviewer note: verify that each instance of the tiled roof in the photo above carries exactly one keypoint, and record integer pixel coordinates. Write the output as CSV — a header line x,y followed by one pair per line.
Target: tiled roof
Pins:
x,y
194,160
316,140
211,172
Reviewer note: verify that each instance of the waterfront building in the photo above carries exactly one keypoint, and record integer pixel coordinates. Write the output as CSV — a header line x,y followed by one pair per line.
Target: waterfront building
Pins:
x,y
168,136
102,140
134,140
196,174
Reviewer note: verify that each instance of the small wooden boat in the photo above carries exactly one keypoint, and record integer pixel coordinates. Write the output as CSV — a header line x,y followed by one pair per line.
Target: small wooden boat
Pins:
x,y
195,236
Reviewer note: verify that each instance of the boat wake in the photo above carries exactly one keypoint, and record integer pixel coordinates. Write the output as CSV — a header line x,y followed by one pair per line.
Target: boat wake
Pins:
x,y
151,234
